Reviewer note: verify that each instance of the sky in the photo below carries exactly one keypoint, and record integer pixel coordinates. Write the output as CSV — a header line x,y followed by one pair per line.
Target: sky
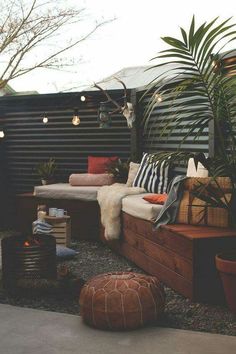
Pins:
x,y
132,39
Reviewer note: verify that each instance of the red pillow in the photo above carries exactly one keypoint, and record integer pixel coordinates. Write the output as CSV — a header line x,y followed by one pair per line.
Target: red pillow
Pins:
x,y
156,198
99,164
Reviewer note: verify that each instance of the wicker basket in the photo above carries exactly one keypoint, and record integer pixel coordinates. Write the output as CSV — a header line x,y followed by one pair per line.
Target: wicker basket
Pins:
x,y
195,211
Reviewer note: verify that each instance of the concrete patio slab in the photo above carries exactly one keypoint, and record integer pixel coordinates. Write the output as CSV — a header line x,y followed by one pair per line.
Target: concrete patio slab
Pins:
x,y
24,331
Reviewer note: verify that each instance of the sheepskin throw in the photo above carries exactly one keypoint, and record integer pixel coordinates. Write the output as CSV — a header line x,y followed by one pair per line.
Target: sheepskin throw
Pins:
x,y
110,201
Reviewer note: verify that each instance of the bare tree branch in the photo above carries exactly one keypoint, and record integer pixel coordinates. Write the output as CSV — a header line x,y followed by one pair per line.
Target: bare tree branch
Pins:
x,y
25,28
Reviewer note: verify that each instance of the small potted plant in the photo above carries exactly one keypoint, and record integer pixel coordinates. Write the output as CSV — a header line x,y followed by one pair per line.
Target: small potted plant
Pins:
x,y
46,171
119,170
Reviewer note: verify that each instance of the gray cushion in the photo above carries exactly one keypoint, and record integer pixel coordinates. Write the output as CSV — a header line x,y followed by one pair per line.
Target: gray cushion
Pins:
x,y
65,252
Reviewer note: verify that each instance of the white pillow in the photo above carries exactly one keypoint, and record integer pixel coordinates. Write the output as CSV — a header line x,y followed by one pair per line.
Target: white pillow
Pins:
x,y
201,171
133,170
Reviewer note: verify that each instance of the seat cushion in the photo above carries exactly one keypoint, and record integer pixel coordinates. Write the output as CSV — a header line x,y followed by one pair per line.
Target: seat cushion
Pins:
x,y
136,206
66,191
63,252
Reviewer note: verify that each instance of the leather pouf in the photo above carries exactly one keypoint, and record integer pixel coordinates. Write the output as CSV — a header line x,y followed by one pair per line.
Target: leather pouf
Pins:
x,y
121,300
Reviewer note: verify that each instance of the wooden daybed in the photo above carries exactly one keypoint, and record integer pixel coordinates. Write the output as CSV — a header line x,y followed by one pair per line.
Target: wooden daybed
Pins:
x,y
182,256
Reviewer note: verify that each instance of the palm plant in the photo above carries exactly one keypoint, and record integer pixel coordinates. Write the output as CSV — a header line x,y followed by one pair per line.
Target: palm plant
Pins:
x,y
198,93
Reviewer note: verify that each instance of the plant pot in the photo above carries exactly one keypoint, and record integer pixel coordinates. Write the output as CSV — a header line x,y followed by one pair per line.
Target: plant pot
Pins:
x,y
226,265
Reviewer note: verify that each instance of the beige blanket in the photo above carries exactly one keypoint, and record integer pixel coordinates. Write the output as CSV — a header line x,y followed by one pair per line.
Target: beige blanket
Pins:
x,y
110,201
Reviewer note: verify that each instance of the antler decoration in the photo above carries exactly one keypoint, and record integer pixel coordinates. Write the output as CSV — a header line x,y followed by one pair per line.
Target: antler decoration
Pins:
x,y
127,109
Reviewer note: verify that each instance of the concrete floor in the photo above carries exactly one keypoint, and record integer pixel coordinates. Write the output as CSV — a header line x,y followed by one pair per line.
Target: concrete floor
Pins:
x,y
24,331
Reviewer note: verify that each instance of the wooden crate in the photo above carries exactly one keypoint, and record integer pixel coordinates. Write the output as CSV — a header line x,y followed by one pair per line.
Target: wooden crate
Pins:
x,y
61,229
84,215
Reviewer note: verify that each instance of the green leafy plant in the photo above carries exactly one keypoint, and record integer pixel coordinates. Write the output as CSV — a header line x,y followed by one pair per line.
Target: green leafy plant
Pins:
x,y
46,170
196,91
119,170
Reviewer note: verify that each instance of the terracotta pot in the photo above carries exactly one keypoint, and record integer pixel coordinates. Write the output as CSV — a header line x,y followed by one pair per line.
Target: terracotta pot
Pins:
x,y
226,265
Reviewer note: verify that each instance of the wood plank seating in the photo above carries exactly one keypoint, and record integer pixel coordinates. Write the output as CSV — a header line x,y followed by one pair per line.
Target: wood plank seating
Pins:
x,y
182,256
84,214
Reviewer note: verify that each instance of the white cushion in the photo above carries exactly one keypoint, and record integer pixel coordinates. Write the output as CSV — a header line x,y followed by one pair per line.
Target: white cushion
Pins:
x,y
136,206
201,171
133,170
66,191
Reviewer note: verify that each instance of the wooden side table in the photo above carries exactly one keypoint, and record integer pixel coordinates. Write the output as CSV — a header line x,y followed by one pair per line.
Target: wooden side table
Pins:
x,y
84,215
61,229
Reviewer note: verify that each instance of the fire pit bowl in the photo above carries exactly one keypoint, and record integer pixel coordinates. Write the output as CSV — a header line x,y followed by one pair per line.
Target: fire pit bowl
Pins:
x,y
26,259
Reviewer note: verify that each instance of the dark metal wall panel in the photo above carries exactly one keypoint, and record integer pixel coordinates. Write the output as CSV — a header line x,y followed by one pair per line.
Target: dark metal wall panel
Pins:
x,y
29,141
154,141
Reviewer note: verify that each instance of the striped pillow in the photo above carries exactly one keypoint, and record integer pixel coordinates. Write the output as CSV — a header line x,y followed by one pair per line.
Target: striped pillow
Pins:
x,y
152,177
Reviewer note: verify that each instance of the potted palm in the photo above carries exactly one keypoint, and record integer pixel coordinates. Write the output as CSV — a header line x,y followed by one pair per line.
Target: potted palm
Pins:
x,y
46,171
197,93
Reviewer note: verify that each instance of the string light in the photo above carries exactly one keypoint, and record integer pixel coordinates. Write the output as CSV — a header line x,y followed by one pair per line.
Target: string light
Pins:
x,y
45,120
158,97
76,118
2,134
214,63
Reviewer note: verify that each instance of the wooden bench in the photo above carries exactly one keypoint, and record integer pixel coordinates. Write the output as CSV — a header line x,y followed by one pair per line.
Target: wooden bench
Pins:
x,y
182,256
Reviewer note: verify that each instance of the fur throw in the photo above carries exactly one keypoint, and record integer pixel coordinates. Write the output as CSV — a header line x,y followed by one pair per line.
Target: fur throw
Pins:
x,y
110,201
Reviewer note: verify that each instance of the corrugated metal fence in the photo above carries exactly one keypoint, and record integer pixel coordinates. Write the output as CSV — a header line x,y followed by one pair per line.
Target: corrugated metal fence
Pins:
x,y
29,141
153,139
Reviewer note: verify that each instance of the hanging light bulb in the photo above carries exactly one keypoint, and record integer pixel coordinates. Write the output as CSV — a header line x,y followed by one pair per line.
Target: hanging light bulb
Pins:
x,y
45,119
214,63
158,97
2,134
76,118
82,98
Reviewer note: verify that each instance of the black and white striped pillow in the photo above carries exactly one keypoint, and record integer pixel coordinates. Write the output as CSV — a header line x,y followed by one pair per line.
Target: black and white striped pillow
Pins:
x,y
152,177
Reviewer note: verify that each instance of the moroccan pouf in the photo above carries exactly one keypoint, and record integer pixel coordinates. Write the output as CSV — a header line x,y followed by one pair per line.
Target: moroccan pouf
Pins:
x,y
121,300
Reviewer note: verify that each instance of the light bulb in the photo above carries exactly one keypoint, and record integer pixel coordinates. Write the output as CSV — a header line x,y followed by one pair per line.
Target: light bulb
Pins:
x,y
75,119
82,98
45,120
158,97
214,63
2,134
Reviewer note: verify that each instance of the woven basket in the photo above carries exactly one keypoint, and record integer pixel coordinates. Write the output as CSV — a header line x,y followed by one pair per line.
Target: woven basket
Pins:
x,y
195,211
